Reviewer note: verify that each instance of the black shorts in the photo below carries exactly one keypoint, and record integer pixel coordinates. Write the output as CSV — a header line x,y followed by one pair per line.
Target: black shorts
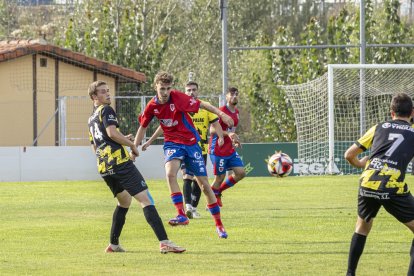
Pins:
x,y
401,206
125,177
189,172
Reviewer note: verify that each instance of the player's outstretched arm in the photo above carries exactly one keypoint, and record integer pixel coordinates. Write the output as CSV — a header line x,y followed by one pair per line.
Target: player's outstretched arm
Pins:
x,y
154,136
215,128
118,137
224,117
140,135
351,155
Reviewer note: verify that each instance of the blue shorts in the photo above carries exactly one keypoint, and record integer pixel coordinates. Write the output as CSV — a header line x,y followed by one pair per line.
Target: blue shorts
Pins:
x,y
223,164
186,171
191,156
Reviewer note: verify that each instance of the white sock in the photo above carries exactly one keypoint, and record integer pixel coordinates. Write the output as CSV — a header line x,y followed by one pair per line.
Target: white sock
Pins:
x,y
114,246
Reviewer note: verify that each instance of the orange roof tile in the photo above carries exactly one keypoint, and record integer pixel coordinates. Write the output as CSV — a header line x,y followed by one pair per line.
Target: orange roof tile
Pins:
x,y
11,49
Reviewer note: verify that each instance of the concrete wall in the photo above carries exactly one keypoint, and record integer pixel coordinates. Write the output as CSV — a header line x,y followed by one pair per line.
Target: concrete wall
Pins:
x,y
69,163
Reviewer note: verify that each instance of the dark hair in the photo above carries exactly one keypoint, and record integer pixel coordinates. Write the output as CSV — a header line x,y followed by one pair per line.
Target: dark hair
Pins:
x,y
232,90
163,77
93,86
402,105
192,83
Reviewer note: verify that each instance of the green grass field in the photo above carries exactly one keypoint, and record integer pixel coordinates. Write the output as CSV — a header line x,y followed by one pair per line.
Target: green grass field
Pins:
x,y
292,226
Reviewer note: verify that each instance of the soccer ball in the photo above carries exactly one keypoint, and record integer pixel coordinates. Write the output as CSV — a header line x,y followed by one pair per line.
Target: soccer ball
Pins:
x,y
280,164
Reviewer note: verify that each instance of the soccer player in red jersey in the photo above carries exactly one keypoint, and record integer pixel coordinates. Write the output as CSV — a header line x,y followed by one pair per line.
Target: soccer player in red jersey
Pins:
x,y
171,108
226,158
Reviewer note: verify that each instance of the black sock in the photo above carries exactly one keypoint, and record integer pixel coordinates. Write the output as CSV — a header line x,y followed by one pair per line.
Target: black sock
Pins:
x,y
411,268
355,251
187,191
118,221
153,219
195,194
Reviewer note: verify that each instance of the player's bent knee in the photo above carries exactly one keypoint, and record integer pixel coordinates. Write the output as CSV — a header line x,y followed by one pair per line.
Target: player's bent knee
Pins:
x,y
241,175
143,198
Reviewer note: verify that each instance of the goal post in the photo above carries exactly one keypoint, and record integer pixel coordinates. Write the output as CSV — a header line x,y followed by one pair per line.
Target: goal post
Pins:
x,y
333,111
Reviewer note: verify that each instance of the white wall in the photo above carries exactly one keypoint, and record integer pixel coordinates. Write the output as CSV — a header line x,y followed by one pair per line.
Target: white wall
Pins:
x,y
69,163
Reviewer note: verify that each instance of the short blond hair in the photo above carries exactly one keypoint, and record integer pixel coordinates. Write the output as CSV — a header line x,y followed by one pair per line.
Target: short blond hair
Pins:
x,y
93,86
163,77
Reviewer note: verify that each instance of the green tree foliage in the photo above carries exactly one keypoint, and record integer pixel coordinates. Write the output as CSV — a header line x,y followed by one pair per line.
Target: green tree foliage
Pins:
x,y
263,105
392,30
183,36
341,27
129,33
286,62
311,60
7,21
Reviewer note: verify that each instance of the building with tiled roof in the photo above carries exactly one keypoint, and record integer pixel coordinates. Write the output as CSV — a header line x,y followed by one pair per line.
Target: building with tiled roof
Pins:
x,y
34,75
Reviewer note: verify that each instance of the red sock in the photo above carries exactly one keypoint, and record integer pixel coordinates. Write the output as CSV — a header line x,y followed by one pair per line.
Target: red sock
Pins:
x,y
177,199
228,183
215,213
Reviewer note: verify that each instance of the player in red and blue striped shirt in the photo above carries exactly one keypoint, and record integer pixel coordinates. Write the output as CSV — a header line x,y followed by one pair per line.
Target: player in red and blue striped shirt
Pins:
x,y
226,158
171,108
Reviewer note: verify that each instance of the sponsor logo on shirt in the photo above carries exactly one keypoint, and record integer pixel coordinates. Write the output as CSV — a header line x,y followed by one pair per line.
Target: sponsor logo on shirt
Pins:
x,y
172,107
197,155
156,111
386,125
168,122
111,117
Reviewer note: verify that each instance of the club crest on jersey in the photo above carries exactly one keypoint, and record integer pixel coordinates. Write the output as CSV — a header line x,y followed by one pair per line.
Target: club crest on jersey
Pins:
x,y
197,155
172,107
156,111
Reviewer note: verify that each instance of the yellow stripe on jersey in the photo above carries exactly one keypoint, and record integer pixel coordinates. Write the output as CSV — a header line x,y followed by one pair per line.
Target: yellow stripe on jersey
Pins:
x,y
391,176
366,140
365,176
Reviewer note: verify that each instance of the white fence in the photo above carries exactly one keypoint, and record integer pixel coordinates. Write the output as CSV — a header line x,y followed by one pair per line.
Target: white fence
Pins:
x,y
69,163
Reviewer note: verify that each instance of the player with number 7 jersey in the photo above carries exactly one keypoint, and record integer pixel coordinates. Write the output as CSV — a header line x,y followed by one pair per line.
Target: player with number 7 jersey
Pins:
x,y
391,144
382,183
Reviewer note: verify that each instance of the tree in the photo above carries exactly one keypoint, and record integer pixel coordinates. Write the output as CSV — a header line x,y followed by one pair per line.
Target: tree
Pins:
x,y
391,30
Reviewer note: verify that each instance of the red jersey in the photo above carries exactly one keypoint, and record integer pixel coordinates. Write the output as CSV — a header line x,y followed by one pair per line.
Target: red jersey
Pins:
x,y
177,125
227,148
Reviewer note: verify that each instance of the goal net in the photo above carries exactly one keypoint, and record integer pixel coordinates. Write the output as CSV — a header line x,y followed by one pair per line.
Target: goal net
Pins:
x,y
333,111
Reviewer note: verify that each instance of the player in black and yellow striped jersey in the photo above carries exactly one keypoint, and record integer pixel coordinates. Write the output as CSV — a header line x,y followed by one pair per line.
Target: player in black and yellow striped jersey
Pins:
x,y
382,182
202,120
120,174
